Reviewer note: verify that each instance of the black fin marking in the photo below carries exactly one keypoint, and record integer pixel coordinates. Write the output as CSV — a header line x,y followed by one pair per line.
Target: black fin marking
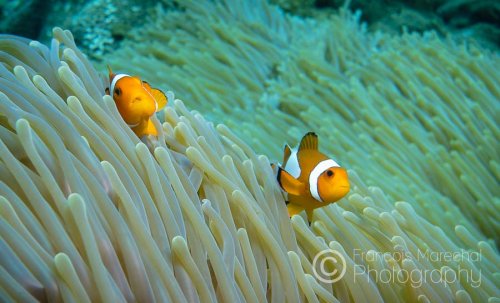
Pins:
x,y
278,176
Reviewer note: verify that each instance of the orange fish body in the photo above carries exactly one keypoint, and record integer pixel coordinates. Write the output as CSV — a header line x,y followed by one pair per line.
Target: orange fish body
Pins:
x,y
136,102
310,178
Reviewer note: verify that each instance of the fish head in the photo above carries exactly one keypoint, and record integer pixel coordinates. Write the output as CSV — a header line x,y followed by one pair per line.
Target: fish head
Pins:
x,y
333,184
133,99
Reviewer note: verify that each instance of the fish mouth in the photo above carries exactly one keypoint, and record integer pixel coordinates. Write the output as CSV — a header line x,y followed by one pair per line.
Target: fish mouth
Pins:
x,y
344,188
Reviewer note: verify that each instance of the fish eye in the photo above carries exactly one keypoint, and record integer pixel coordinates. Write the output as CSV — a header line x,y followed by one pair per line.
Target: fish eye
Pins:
x,y
329,173
118,91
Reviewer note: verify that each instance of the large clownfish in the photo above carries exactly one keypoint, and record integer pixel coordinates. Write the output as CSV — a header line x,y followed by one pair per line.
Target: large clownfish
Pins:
x,y
310,178
136,102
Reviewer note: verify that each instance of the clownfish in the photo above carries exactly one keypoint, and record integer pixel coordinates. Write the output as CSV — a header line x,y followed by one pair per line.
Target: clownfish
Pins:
x,y
310,178
136,102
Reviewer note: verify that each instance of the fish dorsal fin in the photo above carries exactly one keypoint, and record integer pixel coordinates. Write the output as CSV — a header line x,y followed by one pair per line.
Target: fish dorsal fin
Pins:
x,y
146,85
309,141
287,152
111,76
160,98
110,71
158,95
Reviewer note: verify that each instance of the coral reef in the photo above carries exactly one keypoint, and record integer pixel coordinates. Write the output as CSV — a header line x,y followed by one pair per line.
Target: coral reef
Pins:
x,y
89,213
98,25
24,17
471,20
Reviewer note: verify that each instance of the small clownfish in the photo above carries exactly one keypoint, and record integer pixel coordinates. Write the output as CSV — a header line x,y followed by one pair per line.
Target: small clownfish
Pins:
x,y
310,178
136,102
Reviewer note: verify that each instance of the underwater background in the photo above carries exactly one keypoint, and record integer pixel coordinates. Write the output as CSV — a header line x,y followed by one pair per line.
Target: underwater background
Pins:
x,y
405,95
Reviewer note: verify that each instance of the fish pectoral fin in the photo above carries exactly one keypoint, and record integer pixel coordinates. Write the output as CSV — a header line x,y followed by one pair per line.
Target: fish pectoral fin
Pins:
x,y
150,129
289,183
160,98
309,141
294,209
